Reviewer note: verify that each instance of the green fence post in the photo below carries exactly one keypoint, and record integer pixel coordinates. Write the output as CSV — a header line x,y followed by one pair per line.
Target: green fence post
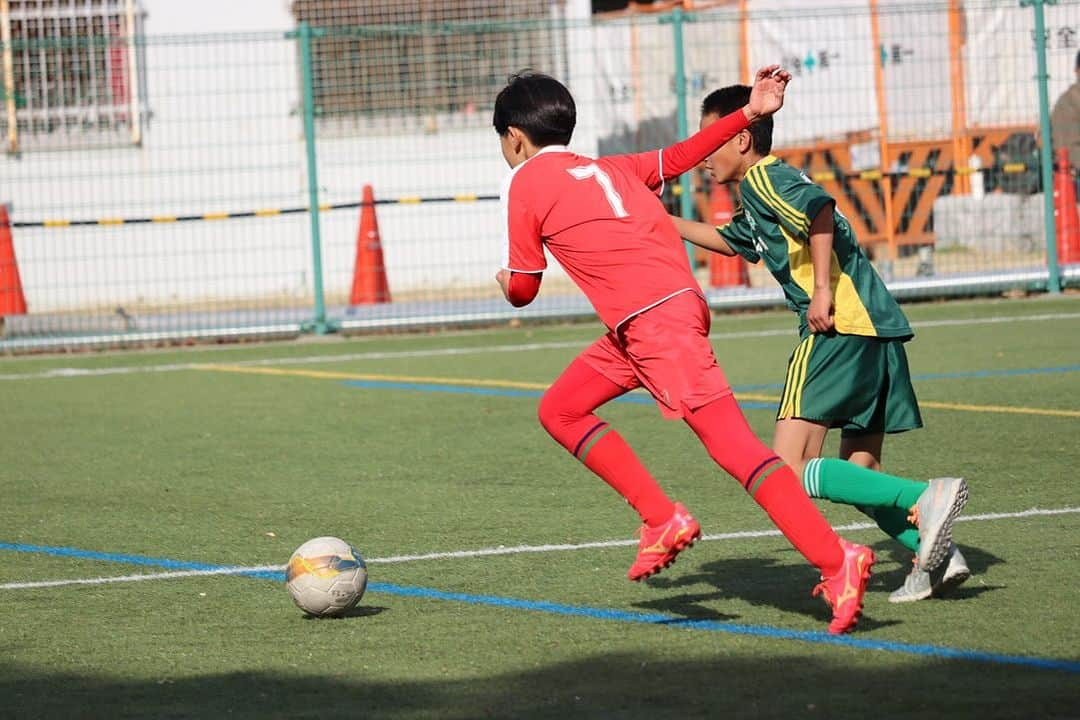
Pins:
x,y
318,324
1042,77
686,200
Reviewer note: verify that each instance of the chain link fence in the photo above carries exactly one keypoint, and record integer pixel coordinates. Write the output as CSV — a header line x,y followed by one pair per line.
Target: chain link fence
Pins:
x,y
157,189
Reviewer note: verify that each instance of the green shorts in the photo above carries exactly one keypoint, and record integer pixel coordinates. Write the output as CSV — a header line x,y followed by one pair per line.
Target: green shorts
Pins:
x,y
860,384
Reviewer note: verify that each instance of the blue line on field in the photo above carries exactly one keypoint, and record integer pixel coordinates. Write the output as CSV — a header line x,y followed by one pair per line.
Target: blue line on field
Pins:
x,y
129,559
731,628
510,392
108,557
948,376
998,373
593,612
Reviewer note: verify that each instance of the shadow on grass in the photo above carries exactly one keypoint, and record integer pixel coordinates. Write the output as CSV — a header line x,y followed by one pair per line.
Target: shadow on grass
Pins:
x,y
760,581
978,560
775,582
357,612
649,684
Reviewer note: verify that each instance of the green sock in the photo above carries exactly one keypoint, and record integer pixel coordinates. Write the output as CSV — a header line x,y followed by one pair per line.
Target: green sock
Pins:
x,y
847,483
893,522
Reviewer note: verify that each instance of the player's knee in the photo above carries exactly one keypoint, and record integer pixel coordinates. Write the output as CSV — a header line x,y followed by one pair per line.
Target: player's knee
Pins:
x,y
547,412
554,415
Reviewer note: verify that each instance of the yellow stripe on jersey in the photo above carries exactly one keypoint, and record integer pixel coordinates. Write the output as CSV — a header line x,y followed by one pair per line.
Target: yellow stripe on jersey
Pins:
x,y
757,179
796,217
802,218
851,316
802,267
796,212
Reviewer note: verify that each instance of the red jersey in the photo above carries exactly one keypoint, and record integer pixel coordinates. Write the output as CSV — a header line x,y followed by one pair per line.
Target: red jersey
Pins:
x,y
603,221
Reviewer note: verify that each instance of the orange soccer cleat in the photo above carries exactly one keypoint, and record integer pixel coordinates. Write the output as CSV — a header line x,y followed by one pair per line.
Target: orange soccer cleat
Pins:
x,y
660,545
844,591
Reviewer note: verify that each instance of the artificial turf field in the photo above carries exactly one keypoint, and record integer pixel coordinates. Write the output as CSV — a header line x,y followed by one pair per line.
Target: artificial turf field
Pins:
x,y
173,464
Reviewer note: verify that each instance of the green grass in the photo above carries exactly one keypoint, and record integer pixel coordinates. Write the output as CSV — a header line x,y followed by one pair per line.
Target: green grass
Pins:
x,y
238,469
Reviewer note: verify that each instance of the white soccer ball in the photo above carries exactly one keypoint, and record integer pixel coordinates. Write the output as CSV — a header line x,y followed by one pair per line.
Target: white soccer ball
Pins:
x,y
326,577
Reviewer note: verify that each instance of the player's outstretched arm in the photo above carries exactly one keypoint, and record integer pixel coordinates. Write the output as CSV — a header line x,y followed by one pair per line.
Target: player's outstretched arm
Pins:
x,y
766,97
702,235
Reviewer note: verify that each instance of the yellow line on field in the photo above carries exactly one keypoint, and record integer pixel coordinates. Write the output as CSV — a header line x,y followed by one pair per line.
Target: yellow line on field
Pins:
x,y
964,407
471,382
757,397
476,382
331,375
1000,409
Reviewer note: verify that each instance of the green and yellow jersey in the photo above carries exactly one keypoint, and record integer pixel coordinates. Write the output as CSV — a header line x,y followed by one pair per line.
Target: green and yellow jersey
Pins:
x,y
773,224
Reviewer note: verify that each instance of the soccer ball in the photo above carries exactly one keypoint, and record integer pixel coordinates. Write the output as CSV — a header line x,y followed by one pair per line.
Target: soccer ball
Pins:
x,y
326,577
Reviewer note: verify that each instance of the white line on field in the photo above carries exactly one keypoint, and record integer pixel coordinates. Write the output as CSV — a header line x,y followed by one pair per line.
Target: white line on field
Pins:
x,y
485,552
721,536
480,349
145,576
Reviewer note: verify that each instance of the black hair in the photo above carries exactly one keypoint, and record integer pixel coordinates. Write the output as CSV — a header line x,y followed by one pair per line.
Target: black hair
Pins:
x,y
1078,61
727,100
538,105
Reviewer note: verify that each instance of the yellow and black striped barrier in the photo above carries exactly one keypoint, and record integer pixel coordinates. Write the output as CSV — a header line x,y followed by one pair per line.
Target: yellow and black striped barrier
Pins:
x,y
921,173
259,213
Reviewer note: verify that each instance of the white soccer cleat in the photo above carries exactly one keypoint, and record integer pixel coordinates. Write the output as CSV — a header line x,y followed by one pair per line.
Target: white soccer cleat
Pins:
x,y
935,512
920,585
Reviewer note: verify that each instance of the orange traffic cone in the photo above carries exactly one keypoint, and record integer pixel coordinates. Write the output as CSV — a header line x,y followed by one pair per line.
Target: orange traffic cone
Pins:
x,y
369,274
1066,220
12,300
724,271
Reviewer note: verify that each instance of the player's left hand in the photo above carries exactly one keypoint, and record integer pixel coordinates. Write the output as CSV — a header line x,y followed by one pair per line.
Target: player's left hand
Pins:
x,y
767,95
819,316
503,278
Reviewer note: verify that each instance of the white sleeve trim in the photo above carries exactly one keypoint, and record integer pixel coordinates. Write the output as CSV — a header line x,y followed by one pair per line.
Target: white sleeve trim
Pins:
x,y
504,204
660,166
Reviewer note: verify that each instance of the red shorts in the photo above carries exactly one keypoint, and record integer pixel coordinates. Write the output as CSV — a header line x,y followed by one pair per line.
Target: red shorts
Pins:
x,y
666,350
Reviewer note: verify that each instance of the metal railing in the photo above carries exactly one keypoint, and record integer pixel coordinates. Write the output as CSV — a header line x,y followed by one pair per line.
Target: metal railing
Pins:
x,y
935,144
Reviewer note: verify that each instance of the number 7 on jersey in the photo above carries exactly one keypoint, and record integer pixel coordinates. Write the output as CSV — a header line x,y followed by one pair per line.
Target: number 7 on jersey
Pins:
x,y
593,171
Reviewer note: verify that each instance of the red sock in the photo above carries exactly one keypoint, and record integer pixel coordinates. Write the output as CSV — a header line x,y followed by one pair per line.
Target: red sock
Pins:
x,y
566,412
613,460
734,446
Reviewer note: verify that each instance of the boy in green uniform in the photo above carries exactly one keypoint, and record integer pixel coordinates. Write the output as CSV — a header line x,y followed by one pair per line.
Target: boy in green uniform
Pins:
x,y
850,369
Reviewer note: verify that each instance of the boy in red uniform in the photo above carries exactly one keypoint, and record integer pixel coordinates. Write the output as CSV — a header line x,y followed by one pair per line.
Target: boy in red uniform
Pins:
x,y
603,221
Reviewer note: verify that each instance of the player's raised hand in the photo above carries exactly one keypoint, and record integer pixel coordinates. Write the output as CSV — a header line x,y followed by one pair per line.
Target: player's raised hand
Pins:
x,y
767,95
